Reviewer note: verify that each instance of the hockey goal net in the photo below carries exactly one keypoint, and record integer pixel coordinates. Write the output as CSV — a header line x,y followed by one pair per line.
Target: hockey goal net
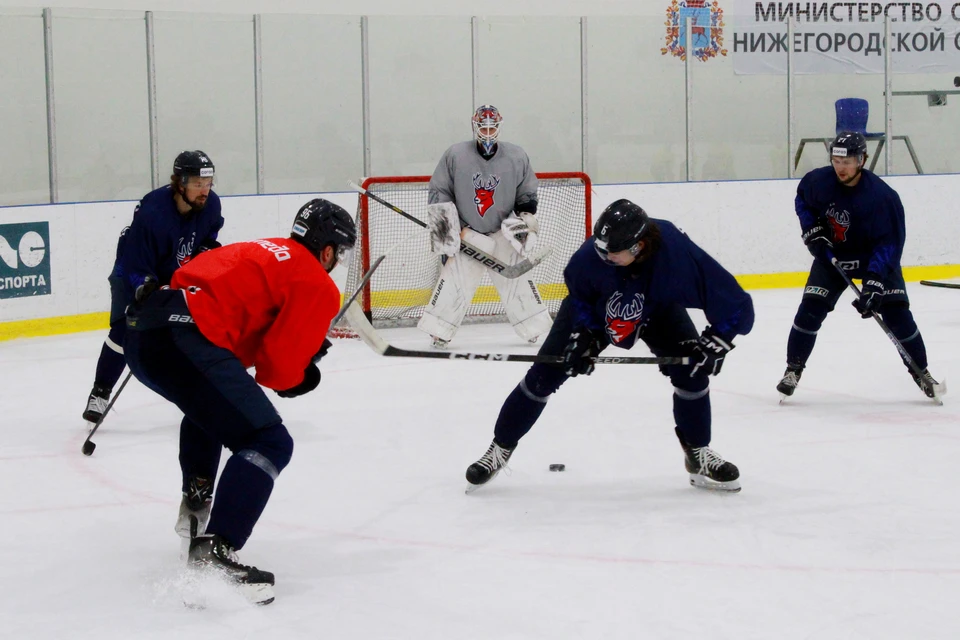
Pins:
x,y
400,288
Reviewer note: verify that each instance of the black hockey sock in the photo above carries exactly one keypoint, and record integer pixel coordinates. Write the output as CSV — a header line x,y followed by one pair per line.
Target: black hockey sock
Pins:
x,y
242,495
199,453
519,413
904,327
691,411
799,347
109,367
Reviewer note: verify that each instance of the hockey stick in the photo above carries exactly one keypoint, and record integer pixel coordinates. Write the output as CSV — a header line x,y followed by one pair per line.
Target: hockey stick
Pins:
x,y
940,388
487,260
88,444
376,342
945,285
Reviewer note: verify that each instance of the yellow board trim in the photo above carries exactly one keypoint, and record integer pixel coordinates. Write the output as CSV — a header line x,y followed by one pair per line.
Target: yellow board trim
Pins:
x,y
404,298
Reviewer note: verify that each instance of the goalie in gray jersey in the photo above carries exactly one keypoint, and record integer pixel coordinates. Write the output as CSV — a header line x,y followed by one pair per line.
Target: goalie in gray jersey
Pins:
x,y
485,192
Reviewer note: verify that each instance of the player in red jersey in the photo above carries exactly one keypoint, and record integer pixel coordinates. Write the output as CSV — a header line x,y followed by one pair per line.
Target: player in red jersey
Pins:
x,y
266,304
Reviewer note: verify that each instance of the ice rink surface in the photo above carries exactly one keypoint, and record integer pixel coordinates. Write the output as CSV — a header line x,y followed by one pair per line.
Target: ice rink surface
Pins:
x,y
847,525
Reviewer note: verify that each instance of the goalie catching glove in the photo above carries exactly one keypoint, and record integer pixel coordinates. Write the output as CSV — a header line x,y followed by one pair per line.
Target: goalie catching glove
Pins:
x,y
521,231
443,220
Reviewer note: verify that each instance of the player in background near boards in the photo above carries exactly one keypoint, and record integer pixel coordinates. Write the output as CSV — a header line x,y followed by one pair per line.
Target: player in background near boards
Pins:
x,y
634,281
266,304
484,191
170,225
849,211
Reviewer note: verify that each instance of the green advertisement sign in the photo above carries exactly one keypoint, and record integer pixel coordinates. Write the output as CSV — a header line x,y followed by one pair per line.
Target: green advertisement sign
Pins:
x,y
24,259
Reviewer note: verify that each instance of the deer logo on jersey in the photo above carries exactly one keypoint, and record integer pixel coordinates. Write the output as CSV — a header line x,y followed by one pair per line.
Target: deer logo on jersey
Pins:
x,y
623,318
485,190
839,222
185,249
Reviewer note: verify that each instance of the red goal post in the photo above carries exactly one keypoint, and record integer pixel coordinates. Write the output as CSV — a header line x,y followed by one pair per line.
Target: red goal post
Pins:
x,y
401,286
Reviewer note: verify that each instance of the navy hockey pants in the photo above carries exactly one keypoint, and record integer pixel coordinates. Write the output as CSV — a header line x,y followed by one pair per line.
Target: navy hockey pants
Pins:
x,y
820,295
668,334
222,405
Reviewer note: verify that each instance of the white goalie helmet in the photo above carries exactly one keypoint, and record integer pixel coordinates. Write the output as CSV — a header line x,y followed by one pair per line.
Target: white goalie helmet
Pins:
x,y
486,126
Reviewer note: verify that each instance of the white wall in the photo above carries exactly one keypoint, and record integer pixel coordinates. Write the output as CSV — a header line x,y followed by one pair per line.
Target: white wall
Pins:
x,y
750,227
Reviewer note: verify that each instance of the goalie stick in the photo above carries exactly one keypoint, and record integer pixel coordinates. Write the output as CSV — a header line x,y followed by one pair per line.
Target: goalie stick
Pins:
x,y
939,389
487,260
945,285
376,342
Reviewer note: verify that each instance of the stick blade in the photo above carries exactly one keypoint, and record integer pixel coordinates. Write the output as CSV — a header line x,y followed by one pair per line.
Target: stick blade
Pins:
x,y
364,329
88,447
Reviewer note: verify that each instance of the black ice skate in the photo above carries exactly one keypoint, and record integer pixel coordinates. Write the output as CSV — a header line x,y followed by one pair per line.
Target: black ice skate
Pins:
x,y
439,343
96,403
487,467
708,470
788,383
196,502
930,387
215,553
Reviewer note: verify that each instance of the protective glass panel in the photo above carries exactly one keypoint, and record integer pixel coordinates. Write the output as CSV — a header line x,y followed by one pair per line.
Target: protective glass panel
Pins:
x,y
24,169
530,70
205,94
738,122
103,132
420,86
312,103
635,103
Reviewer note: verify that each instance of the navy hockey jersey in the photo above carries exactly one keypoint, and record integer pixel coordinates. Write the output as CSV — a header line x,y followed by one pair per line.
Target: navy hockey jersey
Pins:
x,y
160,240
623,300
867,220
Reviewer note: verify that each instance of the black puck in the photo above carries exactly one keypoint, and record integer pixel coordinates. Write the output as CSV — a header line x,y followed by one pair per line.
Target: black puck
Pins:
x,y
956,81
557,467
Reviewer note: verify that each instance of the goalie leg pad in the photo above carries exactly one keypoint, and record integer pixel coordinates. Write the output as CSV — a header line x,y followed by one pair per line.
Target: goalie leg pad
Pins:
x,y
527,313
459,279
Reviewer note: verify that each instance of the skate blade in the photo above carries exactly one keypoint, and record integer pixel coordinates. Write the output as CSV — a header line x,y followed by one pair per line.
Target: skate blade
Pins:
x,y
471,488
940,390
702,482
783,397
259,594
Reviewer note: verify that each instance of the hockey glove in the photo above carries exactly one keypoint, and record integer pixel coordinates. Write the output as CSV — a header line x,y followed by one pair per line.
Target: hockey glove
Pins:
x,y
150,284
709,352
521,231
818,239
443,220
871,296
206,245
324,348
311,378
583,346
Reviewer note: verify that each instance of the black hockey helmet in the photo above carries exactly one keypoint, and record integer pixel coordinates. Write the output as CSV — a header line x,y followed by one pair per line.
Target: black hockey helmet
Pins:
x,y
193,163
621,226
320,224
849,144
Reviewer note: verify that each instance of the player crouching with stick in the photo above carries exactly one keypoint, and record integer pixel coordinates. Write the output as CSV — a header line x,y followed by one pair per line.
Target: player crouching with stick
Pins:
x,y
266,304
634,280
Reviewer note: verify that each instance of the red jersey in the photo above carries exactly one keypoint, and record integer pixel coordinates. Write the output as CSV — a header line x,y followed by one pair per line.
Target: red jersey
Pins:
x,y
270,302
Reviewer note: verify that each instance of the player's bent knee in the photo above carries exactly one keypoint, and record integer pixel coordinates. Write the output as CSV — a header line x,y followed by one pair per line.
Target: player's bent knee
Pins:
x,y
543,380
900,320
690,388
269,449
811,314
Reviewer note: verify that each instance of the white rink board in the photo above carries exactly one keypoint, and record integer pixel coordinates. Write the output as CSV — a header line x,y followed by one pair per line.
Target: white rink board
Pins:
x,y
749,226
